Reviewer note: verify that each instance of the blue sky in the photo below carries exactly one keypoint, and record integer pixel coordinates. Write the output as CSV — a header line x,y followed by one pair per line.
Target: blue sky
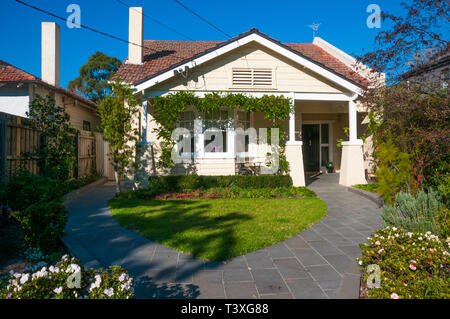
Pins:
x,y
343,24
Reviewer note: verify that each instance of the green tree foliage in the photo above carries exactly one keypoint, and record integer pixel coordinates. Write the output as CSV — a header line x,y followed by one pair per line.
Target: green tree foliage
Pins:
x,y
56,154
415,117
94,76
413,38
394,173
118,113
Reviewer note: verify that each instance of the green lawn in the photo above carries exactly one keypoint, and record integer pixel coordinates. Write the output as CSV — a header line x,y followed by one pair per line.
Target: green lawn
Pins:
x,y
367,187
218,229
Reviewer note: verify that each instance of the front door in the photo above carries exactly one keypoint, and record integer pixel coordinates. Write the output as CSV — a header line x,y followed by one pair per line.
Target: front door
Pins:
x,y
311,147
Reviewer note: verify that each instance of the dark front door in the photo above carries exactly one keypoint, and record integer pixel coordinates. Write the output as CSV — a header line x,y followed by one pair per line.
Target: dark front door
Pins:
x,y
311,147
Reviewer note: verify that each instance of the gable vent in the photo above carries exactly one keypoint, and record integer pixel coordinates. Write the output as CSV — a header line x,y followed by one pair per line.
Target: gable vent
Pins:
x,y
252,78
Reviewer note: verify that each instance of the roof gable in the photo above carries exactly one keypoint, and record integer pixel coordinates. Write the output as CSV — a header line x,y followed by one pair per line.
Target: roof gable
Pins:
x,y
163,58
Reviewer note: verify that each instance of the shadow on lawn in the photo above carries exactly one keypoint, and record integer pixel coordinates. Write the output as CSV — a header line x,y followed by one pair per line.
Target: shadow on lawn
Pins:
x,y
164,220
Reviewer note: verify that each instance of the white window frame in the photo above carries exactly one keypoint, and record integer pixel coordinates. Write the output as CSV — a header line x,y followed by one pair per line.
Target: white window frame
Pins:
x,y
199,139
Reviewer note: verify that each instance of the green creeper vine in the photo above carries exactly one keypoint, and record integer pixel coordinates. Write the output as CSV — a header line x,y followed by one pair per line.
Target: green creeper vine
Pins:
x,y
167,111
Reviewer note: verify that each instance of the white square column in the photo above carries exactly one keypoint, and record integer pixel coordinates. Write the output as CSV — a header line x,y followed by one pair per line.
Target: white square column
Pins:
x,y
144,152
352,162
294,151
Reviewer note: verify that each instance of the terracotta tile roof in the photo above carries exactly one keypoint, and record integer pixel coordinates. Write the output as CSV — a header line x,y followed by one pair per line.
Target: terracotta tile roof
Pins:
x,y
10,73
161,55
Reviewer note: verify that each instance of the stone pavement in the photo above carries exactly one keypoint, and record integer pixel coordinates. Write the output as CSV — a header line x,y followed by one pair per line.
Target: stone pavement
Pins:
x,y
317,263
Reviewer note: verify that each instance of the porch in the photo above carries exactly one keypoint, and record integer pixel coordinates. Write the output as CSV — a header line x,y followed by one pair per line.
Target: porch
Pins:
x,y
315,124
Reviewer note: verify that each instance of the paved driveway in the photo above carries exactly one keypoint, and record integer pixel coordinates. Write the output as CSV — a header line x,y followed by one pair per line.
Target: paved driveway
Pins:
x,y
317,263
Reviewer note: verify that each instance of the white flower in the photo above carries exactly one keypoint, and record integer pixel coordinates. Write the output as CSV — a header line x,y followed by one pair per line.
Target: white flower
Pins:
x,y
73,268
58,290
109,292
64,257
394,228
24,278
360,262
123,277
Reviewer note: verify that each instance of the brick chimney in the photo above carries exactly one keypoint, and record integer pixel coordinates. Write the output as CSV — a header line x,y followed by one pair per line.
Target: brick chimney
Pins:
x,y
50,63
136,36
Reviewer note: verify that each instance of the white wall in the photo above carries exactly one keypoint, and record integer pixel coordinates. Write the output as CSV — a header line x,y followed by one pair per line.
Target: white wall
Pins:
x,y
14,100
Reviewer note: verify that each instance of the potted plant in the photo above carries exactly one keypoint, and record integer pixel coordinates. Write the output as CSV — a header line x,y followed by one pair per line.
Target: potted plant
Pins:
x,y
330,167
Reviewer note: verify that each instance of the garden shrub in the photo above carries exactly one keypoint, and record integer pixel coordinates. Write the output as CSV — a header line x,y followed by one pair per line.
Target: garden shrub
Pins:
x,y
394,173
25,189
43,224
414,213
413,265
443,221
179,183
43,282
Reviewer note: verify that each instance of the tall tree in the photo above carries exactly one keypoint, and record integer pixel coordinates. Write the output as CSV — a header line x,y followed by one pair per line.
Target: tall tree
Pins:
x,y
118,112
413,38
94,75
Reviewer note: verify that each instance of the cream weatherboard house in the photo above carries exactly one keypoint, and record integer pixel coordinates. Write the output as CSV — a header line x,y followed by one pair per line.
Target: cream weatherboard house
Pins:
x,y
321,80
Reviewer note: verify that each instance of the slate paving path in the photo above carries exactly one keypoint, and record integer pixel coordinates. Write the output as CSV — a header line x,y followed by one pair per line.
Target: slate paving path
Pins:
x,y
317,263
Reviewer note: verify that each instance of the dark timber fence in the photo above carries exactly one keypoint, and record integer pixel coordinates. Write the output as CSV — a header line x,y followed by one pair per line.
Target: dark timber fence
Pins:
x,y
18,138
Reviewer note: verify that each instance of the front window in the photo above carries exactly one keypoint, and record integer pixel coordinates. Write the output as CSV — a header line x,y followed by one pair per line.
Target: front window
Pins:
x,y
215,130
209,135
243,122
187,121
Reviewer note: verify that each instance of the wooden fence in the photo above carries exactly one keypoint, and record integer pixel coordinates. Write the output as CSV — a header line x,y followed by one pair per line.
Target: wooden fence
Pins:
x,y
18,138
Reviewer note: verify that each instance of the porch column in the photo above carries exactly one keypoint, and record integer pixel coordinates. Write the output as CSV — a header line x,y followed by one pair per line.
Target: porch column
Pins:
x,y
352,120
352,162
292,120
144,154
144,121
294,152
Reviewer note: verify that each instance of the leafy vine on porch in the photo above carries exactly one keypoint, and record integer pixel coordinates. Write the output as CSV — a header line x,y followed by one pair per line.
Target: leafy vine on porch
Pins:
x,y
167,110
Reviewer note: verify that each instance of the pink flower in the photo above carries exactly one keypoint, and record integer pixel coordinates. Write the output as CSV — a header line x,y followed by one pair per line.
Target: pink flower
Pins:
x,y
394,296
377,243
380,251
413,261
412,267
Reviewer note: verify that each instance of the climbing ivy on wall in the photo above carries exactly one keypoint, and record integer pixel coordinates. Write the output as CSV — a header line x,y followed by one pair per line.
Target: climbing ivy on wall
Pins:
x,y
167,110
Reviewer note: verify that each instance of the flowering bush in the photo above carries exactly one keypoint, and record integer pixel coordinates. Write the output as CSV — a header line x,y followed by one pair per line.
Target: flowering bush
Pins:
x,y
413,265
237,192
68,280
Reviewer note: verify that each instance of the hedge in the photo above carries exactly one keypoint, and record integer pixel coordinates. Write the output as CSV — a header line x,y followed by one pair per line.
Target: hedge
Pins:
x,y
179,183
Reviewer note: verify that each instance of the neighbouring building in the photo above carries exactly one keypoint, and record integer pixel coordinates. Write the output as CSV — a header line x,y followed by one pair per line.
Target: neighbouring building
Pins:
x,y
18,88
321,80
435,71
